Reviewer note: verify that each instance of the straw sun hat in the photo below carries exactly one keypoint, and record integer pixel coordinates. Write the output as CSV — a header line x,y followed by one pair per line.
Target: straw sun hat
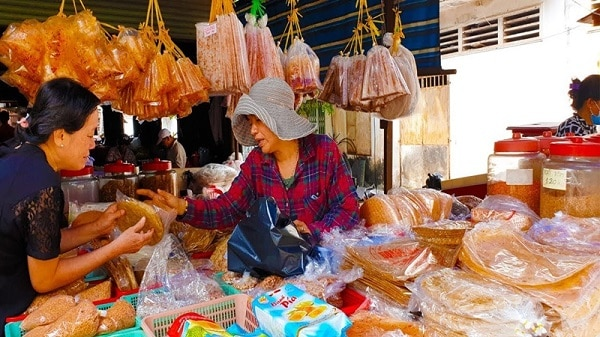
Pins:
x,y
272,101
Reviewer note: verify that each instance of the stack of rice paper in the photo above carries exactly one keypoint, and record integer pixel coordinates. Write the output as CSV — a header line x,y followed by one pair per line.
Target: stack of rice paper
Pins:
x,y
458,303
567,282
389,265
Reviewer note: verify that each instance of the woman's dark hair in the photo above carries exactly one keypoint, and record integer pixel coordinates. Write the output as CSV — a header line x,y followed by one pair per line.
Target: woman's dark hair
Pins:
x,y
580,91
60,103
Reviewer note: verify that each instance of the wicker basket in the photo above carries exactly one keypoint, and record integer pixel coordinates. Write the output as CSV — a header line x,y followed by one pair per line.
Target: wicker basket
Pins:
x,y
440,236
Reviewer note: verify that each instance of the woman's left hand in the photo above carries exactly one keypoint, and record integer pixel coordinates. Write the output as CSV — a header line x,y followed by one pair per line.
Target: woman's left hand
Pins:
x,y
302,227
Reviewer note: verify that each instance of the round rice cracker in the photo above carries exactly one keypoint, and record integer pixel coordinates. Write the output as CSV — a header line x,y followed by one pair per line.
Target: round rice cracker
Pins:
x,y
134,211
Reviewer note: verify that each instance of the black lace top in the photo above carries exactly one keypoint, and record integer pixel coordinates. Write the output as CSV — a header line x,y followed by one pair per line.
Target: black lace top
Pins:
x,y
31,217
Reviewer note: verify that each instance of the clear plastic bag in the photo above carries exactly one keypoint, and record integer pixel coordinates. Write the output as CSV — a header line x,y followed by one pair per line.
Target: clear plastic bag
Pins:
x,y
170,281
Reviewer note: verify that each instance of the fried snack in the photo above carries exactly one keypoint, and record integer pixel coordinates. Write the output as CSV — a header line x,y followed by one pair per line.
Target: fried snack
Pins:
x,y
471,201
86,217
121,272
135,210
120,316
193,239
219,256
80,321
379,210
271,282
48,312
100,291
371,324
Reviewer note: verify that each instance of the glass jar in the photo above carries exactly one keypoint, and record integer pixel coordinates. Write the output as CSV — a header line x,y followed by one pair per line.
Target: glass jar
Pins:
x,y
571,178
515,169
79,186
118,176
157,174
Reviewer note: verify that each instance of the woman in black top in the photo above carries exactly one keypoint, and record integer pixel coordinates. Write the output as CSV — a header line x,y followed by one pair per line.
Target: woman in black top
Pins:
x,y
57,134
585,102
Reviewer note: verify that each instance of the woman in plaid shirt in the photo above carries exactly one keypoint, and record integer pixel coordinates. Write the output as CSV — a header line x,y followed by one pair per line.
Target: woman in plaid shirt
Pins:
x,y
585,97
304,172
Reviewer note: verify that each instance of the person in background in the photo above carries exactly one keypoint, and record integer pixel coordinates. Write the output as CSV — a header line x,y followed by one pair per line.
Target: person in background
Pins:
x,y
585,96
175,151
304,172
122,151
57,134
6,131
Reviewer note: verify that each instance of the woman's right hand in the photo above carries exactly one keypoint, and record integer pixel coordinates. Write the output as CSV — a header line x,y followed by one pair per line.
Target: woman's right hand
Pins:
x,y
165,200
133,238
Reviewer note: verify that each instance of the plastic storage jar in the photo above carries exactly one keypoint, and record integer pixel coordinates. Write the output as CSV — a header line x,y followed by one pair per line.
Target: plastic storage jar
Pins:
x,y
515,169
118,176
157,174
546,139
571,179
79,186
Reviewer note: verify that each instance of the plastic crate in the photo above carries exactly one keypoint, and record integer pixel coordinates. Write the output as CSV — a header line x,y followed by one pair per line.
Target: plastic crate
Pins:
x,y
13,329
225,311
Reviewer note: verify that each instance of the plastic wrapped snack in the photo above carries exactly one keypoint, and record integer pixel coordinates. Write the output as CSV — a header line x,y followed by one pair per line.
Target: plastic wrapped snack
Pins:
x,y
121,315
263,56
48,312
301,68
335,86
382,78
222,55
467,304
80,320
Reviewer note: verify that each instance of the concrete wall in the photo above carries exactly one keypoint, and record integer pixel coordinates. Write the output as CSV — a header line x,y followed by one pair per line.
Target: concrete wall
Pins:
x,y
517,84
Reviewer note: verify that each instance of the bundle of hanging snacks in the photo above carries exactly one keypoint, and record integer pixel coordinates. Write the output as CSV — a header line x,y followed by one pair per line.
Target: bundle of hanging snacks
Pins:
x,y
171,84
74,46
364,83
300,63
404,105
263,54
221,50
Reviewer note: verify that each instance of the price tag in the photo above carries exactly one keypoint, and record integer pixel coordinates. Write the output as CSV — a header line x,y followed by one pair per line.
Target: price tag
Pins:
x,y
519,177
554,179
210,29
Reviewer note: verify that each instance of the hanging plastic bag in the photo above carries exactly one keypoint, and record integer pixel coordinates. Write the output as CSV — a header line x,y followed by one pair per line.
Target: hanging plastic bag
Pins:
x,y
266,243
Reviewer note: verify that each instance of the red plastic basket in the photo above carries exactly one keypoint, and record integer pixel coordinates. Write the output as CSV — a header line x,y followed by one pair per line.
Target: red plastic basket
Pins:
x,y
225,311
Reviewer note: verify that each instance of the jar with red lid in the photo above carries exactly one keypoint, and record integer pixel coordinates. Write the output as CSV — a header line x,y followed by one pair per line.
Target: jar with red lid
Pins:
x,y
118,176
157,174
79,186
571,178
546,139
515,169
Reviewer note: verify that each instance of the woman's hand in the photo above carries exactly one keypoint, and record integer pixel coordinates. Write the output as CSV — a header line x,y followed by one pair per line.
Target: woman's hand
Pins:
x,y
133,238
105,224
165,200
302,227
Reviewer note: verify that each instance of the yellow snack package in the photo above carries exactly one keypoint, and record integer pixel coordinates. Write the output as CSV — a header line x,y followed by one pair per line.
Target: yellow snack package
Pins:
x,y
290,311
